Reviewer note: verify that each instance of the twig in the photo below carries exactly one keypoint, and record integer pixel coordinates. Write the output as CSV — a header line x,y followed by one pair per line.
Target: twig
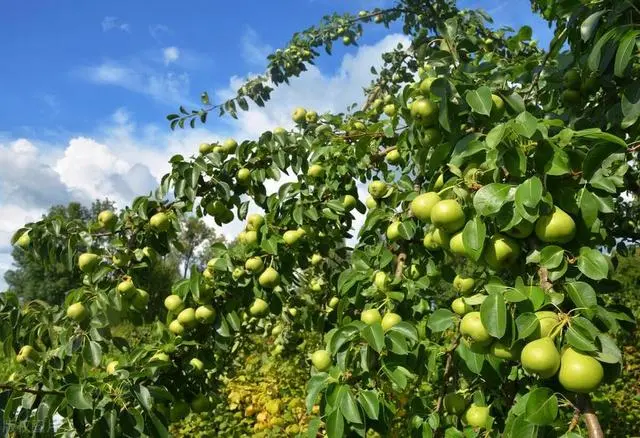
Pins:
x,y
634,146
29,390
448,368
574,420
560,41
543,273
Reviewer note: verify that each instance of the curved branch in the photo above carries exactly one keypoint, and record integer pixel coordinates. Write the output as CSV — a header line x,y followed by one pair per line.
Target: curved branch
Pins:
x,y
590,418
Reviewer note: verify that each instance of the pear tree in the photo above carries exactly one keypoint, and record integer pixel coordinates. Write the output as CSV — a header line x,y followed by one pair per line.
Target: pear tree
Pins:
x,y
505,171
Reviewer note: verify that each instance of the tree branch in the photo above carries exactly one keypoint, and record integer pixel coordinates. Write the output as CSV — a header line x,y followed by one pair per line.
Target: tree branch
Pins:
x,y
590,418
448,368
29,390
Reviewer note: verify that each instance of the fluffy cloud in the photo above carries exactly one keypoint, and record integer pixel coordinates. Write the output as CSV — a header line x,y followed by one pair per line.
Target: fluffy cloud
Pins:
x,y
123,159
170,54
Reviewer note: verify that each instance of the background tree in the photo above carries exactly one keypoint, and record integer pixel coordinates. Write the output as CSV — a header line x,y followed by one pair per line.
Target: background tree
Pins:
x,y
31,280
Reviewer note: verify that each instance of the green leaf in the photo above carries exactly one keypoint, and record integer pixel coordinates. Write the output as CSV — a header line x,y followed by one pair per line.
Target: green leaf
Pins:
x,y
529,193
405,329
625,52
525,124
92,353
398,343
407,230
473,237
480,100
589,206
526,324
341,336
515,102
493,313
474,361
441,320
316,385
349,408
490,198
581,293
579,335
593,61
374,336
542,406
335,424
369,402
551,256
495,136
77,398
270,245
589,25
593,263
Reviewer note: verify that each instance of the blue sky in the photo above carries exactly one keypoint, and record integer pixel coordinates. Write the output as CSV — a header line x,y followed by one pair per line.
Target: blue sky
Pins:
x,y
85,87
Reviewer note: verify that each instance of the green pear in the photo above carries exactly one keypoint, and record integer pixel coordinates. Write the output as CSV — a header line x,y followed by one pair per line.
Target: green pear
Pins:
x,y
557,227
377,189
243,176
370,316
393,232
321,360
349,202
254,222
333,302
77,312
370,203
471,328
501,251
107,219
503,351
254,264
422,205
140,299
477,416
173,303
311,117
187,317
389,320
176,328
522,230
448,215
540,357
126,288
463,285
393,157
205,314
316,259
390,110
454,403
424,111
497,108
381,281
432,137
269,279
456,244
88,262
291,236
579,372
315,171
229,146
160,222
205,148
460,307
259,307
299,115
24,240
548,321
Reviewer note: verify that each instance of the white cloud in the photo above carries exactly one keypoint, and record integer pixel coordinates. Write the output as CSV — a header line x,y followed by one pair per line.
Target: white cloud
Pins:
x,y
166,87
254,51
111,23
170,54
123,159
